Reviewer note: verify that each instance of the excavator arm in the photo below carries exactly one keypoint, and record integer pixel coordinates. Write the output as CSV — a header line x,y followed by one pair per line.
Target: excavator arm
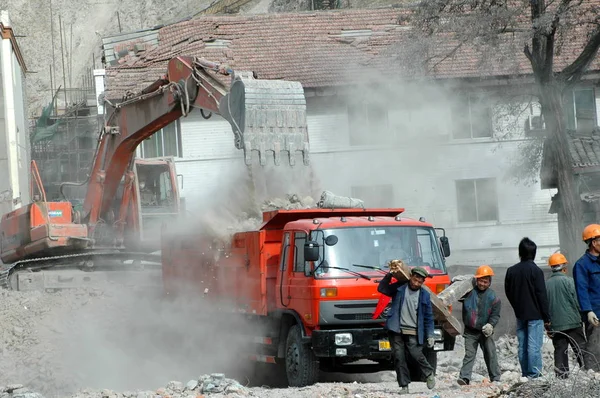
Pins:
x,y
265,115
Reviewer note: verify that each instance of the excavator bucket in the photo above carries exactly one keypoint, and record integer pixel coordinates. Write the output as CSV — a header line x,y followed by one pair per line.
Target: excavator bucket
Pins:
x,y
267,116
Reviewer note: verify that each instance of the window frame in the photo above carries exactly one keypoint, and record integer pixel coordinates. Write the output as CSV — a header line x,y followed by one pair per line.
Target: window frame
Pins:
x,y
299,235
358,118
160,134
469,103
474,181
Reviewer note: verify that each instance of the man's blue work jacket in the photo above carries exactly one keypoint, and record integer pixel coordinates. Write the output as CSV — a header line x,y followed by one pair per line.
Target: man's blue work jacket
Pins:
x,y
424,311
586,274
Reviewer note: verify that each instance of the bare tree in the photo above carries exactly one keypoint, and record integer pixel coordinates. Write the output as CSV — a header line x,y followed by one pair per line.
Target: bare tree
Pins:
x,y
555,40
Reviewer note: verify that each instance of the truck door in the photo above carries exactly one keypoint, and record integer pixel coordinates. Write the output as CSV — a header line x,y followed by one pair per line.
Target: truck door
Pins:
x,y
298,285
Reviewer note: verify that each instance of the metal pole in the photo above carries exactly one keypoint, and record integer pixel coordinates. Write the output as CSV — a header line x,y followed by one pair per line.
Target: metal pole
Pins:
x,y
119,21
62,52
52,43
71,60
51,87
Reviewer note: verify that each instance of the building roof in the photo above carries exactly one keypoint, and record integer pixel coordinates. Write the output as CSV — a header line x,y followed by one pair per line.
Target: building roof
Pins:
x,y
319,49
585,154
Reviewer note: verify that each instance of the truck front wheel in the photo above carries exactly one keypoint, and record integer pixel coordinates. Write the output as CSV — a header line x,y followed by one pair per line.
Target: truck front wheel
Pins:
x,y
301,365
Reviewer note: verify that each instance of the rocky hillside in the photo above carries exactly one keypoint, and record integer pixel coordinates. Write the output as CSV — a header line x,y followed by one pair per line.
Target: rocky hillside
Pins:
x,y
84,22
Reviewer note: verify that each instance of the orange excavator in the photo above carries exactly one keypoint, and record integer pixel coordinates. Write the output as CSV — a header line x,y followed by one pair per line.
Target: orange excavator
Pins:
x,y
47,245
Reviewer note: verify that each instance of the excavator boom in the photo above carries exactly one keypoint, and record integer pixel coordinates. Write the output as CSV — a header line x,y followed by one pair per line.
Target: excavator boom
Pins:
x,y
266,116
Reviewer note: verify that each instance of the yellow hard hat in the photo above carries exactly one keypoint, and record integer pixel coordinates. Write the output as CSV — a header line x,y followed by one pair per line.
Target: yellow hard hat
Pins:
x,y
557,259
590,232
484,270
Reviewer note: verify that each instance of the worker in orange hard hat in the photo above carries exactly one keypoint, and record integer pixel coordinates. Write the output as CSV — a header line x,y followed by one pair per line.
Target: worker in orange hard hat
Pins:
x,y
587,286
480,313
566,325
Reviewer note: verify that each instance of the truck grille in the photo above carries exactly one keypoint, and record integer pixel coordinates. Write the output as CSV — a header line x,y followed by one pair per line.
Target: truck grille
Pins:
x,y
347,312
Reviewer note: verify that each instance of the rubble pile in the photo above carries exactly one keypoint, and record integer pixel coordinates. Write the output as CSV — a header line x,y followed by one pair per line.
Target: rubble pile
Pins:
x,y
290,202
215,385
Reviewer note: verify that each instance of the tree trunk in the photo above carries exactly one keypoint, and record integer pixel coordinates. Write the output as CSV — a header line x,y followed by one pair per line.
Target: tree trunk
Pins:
x,y
558,140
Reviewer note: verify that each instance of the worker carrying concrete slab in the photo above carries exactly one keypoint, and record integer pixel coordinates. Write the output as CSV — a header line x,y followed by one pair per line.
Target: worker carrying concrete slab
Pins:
x,y
586,274
410,323
566,326
480,313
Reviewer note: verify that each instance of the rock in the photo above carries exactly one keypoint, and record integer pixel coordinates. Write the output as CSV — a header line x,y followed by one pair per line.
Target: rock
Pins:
x,y
191,385
176,386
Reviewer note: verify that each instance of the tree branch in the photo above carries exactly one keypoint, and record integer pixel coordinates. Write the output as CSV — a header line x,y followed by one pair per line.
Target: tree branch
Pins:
x,y
574,71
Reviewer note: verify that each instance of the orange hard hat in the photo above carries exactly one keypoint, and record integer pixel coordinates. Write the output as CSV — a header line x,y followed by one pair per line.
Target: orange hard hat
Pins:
x,y
591,231
557,259
484,270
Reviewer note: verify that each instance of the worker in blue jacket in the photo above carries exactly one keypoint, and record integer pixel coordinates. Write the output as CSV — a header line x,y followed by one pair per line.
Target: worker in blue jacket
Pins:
x,y
586,274
410,323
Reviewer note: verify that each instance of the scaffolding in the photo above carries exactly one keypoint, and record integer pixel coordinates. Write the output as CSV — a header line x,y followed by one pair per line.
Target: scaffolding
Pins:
x,y
64,139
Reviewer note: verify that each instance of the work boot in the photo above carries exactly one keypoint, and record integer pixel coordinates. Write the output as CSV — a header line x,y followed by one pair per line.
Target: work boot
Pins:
x,y
404,390
431,381
462,382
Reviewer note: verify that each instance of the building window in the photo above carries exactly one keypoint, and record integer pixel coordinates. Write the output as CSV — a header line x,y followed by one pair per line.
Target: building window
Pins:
x,y
580,110
165,142
471,117
477,200
299,240
368,124
374,195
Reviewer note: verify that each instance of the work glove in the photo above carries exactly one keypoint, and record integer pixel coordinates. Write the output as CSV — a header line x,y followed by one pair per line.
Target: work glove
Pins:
x,y
430,342
593,319
487,330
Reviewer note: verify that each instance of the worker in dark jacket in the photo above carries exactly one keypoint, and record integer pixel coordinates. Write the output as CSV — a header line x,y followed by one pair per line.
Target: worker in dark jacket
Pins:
x,y
586,274
567,328
480,313
525,289
410,324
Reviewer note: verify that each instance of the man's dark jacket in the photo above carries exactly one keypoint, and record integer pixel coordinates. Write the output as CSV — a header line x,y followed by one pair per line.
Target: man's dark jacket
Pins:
x,y
424,311
525,289
479,308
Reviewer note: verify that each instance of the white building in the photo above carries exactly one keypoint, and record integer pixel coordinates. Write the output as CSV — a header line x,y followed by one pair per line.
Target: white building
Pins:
x,y
14,136
427,155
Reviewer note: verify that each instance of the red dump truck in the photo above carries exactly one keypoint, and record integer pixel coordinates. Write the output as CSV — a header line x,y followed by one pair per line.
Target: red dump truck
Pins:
x,y
308,279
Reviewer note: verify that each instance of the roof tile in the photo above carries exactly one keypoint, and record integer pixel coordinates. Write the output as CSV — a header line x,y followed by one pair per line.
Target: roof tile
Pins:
x,y
308,47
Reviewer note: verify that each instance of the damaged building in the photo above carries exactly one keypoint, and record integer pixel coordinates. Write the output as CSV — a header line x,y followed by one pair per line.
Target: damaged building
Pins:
x,y
442,155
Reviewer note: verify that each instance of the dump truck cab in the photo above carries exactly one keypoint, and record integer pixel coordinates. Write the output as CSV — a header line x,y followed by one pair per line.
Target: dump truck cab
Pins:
x,y
331,265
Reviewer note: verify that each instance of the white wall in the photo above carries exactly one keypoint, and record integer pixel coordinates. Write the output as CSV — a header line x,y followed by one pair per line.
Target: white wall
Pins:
x,y
422,171
14,135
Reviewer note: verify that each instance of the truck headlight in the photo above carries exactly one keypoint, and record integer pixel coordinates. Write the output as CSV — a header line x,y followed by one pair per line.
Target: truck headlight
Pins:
x,y
343,338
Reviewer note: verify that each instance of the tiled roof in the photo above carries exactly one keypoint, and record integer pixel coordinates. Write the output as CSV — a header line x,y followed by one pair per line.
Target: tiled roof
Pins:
x,y
585,151
319,49
585,154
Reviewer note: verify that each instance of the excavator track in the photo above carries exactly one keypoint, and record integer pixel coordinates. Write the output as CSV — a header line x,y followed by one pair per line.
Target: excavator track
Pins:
x,y
8,272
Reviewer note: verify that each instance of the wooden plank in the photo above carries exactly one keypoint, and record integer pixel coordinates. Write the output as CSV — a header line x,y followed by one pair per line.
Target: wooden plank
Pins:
x,y
441,313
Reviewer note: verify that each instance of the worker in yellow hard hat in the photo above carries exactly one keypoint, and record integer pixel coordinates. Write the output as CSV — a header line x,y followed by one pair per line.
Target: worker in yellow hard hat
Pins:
x,y
566,325
586,274
480,313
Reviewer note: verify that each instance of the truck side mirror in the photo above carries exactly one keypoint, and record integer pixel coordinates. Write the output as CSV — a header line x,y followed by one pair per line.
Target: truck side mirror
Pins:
x,y
445,245
311,251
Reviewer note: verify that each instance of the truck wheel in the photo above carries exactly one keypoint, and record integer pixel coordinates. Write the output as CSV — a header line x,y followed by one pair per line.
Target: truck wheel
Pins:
x,y
301,365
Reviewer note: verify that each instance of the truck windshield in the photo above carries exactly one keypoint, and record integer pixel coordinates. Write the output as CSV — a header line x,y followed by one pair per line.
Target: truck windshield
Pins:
x,y
358,247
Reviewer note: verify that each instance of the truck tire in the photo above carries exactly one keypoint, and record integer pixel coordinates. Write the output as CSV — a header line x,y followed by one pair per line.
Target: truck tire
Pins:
x,y
301,365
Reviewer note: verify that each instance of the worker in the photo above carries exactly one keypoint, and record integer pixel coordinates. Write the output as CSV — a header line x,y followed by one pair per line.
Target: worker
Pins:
x,y
525,289
410,324
480,314
567,328
586,274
